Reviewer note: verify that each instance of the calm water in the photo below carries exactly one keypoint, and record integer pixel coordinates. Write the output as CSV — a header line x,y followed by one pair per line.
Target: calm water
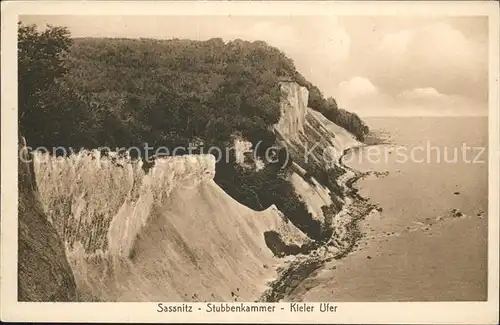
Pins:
x,y
414,250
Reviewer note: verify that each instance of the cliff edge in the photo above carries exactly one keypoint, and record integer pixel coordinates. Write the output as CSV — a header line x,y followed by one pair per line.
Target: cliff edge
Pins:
x,y
43,270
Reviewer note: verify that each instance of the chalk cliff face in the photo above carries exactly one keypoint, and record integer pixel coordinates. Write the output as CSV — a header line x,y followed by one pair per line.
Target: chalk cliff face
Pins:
x,y
43,270
312,141
293,110
172,234
303,129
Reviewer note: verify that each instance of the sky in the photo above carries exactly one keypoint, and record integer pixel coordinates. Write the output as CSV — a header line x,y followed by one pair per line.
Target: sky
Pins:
x,y
374,66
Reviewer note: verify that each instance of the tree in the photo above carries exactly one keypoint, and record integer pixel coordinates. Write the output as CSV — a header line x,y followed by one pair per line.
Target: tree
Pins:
x,y
316,100
40,63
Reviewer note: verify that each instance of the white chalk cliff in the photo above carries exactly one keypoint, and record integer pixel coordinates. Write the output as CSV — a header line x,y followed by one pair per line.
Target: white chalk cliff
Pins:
x,y
173,234
310,137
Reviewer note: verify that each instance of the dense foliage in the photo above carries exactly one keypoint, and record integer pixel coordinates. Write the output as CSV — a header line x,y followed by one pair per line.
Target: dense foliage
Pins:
x,y
261,189
40,65
121,93
171,92
328,107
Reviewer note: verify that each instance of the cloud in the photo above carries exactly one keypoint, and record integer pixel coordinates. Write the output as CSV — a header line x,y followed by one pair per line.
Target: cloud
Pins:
x,y
372,64
431,56
360,95
424,69
428,93
429,98
356,87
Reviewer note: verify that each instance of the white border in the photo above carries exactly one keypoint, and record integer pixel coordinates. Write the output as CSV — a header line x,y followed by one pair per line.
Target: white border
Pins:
x,y
416,312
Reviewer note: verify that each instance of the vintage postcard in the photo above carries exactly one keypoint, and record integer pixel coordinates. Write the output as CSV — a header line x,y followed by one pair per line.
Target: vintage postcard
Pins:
x,y
250,162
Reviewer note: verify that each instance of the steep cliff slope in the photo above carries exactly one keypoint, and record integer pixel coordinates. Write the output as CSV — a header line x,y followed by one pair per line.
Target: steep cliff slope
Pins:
x,y
171,234
314,144
43,270
183,228
308,134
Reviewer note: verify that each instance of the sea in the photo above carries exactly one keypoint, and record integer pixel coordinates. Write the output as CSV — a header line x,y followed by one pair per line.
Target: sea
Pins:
x,y
428,241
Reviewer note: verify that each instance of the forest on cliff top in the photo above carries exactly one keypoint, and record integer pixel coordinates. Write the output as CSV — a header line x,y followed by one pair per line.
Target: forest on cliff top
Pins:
x,y
121,92
93,93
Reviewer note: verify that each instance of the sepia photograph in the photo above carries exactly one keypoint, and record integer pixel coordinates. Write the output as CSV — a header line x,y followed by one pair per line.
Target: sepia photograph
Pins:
x,y
251,163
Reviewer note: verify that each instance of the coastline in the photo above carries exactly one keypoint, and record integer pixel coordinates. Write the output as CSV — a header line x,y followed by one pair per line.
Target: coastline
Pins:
x,y
408,244
354,210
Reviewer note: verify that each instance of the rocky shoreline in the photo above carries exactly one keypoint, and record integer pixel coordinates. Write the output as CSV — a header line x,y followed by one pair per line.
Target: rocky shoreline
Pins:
x,y
345,237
